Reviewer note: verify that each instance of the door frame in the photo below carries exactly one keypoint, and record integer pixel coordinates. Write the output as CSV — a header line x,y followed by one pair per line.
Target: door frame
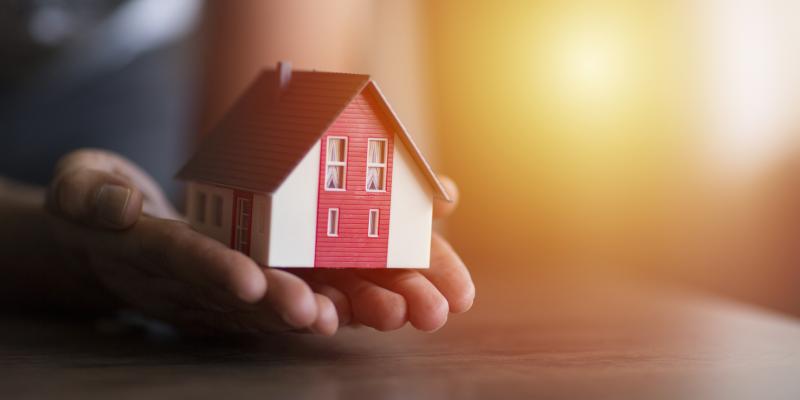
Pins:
x,y
241,196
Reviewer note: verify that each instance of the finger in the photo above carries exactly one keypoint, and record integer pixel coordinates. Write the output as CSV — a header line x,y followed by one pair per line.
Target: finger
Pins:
x,y
442,208
339,299
327,321
95,198
116,164
449,274
166,248
427,307
370,304
171,248
289,305
291,298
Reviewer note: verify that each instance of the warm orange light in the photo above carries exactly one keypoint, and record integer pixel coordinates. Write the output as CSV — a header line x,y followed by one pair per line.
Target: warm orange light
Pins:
x,y
589,64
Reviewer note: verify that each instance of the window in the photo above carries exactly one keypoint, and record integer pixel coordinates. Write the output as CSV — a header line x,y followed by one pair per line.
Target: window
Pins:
x,y
200,207
373,223
376,165
333,222
217,207
336,163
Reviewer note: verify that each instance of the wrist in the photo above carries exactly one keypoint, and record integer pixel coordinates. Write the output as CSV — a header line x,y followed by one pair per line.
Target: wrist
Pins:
x,y
36,270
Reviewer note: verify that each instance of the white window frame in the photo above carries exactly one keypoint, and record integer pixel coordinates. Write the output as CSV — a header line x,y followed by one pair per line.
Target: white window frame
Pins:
x,y
335,212
383,165
329,163
377,219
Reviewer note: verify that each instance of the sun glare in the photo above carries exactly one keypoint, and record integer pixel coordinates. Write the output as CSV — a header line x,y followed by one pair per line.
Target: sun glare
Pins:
x,y
591,66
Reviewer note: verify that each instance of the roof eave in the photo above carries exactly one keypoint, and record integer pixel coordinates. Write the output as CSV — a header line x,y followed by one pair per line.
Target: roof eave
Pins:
x,y
415,151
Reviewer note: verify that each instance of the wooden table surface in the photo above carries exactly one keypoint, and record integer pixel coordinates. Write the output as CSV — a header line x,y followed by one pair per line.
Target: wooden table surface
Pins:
x,y
522,340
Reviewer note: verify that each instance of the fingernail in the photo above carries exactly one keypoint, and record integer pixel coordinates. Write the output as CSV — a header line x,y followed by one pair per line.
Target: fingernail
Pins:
x,y
112,200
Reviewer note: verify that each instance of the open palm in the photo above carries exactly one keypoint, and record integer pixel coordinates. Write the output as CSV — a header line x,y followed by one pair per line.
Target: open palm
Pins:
x,y
160,266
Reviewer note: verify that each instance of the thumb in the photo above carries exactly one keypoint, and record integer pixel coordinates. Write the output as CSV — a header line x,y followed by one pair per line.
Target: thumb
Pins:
x,y
94,197
443,208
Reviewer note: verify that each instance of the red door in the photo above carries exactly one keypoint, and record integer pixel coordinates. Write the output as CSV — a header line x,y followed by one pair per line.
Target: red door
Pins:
x,y
242,220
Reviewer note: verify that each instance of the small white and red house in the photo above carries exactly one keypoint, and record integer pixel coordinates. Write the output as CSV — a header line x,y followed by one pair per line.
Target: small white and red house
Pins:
x,y
313,169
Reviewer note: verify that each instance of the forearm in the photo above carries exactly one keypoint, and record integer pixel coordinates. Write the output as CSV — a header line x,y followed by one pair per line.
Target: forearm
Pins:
x,y
35,272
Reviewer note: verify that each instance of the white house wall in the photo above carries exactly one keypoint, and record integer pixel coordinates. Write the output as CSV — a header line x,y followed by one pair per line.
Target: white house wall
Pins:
x,y
259,232
293,222
410,215
208,227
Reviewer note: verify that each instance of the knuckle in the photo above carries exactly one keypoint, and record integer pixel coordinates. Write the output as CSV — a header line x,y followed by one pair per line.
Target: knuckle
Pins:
x,y
91,158
77,158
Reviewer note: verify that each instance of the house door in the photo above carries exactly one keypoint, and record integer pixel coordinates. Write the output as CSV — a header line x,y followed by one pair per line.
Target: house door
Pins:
x,y
242,221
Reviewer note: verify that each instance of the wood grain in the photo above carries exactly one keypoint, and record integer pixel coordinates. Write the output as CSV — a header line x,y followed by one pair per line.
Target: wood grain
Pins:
x,y
541,340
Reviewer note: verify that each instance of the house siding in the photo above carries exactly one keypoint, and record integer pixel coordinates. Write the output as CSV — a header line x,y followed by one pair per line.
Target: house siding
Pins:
x,y
353,248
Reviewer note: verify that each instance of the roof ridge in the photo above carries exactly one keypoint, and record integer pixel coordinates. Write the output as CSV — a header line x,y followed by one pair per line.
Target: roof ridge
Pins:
x,y
317,71
220,158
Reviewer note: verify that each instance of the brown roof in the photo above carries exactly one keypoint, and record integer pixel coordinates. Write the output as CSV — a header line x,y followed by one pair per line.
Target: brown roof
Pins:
x,y
264,136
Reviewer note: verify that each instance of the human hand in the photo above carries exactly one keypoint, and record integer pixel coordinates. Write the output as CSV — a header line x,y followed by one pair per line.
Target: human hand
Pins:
x,y
386,299
167,270
159,265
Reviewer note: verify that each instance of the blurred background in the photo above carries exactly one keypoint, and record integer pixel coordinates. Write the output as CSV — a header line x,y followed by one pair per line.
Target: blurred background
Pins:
x,y
590,139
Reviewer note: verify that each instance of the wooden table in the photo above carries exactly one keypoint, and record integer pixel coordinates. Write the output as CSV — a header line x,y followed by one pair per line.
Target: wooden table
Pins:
x,y
529,339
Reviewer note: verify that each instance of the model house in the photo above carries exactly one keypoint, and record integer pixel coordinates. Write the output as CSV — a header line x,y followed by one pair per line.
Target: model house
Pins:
x,y
313,169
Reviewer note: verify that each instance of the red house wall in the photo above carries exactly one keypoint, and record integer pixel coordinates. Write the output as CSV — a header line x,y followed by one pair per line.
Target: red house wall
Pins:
x,y
352,248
